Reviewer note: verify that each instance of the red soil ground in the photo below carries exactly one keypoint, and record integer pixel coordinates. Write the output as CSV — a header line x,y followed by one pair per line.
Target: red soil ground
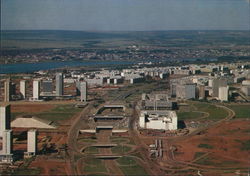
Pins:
x,y
225,141
31,107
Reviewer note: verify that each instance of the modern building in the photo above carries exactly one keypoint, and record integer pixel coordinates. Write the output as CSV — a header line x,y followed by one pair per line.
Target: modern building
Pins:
x,y
246,90
202,94
4,118
83,91
7,91
157,102
32,143
36,89
47,86
186,91
59,84
216,84
23,88
6,155
223,93
161,120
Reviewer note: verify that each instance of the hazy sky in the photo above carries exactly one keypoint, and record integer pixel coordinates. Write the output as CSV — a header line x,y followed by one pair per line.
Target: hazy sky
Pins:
x,y
124,15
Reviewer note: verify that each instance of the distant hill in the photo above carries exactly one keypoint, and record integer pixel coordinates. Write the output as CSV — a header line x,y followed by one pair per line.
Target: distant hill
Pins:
x,y
25,39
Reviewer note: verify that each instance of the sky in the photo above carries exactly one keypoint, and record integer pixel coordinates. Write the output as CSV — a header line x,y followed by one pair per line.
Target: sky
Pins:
x,y
125,15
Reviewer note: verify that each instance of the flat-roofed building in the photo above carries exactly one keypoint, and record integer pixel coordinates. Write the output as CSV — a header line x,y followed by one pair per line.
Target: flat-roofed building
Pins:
x,y
23,88
59,84
5,117
36,89
160,120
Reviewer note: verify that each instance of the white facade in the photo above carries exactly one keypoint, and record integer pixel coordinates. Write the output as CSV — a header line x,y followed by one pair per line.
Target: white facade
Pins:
x,y
4,118
161,120
83,91
223,93
32,142
7,142
59,84
36,89
23,88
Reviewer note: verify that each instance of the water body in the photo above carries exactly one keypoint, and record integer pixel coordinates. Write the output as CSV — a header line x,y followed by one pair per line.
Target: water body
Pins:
x,y
32,67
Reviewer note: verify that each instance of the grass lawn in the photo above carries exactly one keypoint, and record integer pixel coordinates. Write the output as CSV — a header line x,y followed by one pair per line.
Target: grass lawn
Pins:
x,y
189,115
241,111
119,140
217,162
94,165
120,149
214,112
59,113
133,170
87,140
207,146
91,150
198,154
127,161
27,171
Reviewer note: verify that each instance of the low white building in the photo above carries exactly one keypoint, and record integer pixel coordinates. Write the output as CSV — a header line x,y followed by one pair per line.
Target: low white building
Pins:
x,y
161,120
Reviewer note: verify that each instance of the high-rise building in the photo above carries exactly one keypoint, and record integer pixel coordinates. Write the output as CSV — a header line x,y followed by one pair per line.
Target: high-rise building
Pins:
x,y
4,118
223,93
83,91
186,91
6,155
7,142
7,91
59,84
23,88
216,84
32,142
47,86
36,89
201,91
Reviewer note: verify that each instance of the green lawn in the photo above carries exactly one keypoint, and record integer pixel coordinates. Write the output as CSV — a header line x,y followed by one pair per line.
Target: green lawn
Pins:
x,y
189,115
94,165
59,113
27,171
241,111
119,140
207,146
120,149
198,154
215,113
91,150
133,170
127,161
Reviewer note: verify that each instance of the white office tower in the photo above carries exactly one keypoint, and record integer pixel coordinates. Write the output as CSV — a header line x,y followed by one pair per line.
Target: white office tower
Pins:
x,y
23,88
32,143
6,153
7,91
7,142
36,89
4,118
223,93
83,91
59,84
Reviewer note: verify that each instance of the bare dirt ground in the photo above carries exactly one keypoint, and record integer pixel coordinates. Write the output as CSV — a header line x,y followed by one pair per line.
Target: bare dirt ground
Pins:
x,y
49,167
224,141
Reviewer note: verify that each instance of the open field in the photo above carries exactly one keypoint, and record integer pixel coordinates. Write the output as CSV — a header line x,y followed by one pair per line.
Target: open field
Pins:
x,y
56,113
224,146
241,111
200,110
